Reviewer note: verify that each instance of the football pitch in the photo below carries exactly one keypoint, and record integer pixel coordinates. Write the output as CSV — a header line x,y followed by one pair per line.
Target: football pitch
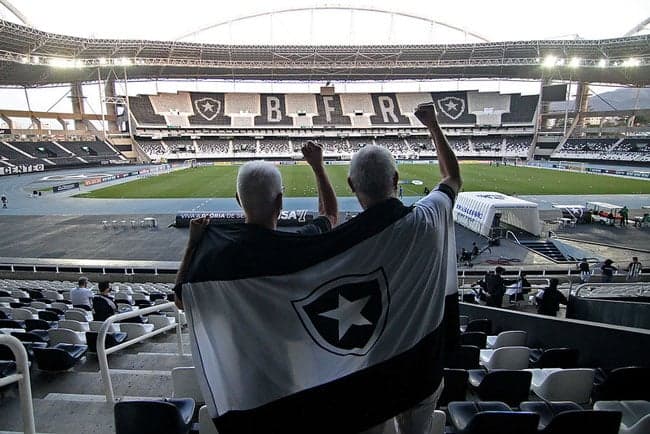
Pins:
x,y
219,181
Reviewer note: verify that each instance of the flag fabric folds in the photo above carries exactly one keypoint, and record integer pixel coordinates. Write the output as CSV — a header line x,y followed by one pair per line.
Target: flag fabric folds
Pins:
x,y
328,333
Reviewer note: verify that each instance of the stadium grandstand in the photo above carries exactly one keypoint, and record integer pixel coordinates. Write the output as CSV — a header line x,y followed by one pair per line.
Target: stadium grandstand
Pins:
x,y
117,130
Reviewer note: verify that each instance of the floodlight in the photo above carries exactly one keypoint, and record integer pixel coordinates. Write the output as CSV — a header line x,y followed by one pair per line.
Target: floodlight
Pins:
x,y
25,59
574,62
632,62
602,63
102,61
560,62
36,59
549,61
125,61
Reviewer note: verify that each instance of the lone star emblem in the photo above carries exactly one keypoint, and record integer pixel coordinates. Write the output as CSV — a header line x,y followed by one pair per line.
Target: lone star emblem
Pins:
x,y
450,106
347,315
207,108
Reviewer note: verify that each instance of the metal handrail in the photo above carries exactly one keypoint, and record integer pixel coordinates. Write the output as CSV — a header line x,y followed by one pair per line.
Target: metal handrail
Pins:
x,y
22,377
644,287
103,352
513,236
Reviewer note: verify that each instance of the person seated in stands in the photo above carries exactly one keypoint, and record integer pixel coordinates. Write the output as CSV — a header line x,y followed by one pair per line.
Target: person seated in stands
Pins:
x,y
465,257
607,270
103,304
549,300
82,296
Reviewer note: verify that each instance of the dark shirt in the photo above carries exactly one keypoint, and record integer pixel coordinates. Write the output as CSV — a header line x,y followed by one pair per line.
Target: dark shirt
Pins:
x,y
104,307
608,270
549,304
242,239
584,267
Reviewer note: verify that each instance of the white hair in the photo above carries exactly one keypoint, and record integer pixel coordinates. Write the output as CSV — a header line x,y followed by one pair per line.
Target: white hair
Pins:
x,y
258,185
372,172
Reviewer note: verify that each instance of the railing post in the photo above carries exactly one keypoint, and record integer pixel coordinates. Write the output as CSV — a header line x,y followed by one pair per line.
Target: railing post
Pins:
x,y
24,385
179,331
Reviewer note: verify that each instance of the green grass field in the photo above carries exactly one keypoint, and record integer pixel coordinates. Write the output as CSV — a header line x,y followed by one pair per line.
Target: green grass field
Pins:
x,y
219,181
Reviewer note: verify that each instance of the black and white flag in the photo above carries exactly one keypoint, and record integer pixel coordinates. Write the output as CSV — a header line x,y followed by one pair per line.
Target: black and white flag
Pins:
x,y
329,333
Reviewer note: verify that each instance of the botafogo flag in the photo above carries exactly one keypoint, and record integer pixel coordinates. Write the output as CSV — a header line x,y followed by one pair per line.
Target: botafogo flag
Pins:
x,y
332,333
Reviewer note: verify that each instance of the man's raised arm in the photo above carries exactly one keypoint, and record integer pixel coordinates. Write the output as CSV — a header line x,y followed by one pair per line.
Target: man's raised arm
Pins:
x,y
327,204
447,161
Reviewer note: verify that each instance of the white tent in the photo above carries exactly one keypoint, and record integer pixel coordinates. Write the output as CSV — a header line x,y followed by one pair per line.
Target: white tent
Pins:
x,y
476,210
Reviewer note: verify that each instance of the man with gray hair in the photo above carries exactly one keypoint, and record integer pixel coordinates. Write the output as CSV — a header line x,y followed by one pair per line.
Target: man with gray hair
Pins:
x,y
373,177
259,193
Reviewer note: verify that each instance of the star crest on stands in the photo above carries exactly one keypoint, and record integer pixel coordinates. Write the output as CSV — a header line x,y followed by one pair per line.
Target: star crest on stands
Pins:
x,y
348,314
207,107
451,105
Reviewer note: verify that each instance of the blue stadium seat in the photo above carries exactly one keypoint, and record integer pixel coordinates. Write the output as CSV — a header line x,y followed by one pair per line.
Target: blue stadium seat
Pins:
x,y
60,357
170,416
490,417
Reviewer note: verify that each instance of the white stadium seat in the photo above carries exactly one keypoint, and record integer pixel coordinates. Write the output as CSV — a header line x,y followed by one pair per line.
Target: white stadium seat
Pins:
x,y
510,338
555,384
505,358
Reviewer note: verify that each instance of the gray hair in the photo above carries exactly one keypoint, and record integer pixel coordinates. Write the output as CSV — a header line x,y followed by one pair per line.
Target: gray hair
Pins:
x,y
258,185
372,170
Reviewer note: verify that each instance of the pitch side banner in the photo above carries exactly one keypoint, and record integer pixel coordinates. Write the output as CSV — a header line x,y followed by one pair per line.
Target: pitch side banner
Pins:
x,y
21,168
65,187
333,333
298,217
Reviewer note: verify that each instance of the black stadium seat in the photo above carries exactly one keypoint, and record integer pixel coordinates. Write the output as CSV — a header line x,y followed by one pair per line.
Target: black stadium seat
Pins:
x,y
38,324
565,358
464,357
3,315
11,324
112,339
548,410
480,325
7,368
628,383
490,418
32,336
477,339
511,387
48,316
7,354
171,416
60,357
455,388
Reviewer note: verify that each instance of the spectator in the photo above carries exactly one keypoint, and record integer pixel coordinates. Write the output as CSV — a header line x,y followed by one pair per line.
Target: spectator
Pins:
x,y
522,287
475,250
634,270
465,257
624,212
585,273
495,287
104,305
607,270
81,296
374,180
548,303
4,200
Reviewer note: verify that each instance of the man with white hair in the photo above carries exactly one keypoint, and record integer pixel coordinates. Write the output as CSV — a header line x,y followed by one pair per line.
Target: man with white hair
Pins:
x,y
259,193
373,177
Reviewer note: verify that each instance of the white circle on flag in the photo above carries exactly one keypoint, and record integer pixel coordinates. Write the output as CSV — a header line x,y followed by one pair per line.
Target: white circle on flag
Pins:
x,y
417,182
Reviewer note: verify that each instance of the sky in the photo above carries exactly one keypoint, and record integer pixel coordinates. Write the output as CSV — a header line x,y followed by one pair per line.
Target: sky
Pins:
x,y
169,20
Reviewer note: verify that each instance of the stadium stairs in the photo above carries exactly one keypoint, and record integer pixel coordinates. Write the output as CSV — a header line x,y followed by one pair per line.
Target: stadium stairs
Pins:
x,y
547,249
74,401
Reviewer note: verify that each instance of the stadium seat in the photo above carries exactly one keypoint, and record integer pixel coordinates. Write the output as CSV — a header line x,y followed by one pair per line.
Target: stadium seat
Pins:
x,y
548,410
76,315
171,416
480,325
160,321
7,368
505,358
136,330
33,336
7,354
74,325
555,384
48,316
59,305
511,338
38,324
21,314
635,415
95,326
554,358
112,339
463,357
3,315
490,418
455,388
186,385
477,339
206,426
584,421
11,324
511,387
60,357
628,383
65,336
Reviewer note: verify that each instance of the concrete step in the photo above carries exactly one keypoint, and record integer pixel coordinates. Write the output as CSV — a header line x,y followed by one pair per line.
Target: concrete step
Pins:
x,y
156,361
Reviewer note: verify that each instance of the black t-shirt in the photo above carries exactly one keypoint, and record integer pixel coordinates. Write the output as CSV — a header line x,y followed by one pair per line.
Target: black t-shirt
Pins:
x,y
243,237
584,266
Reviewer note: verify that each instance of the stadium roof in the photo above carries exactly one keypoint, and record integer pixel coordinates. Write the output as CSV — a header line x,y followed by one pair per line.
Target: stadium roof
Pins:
x,y
30,57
